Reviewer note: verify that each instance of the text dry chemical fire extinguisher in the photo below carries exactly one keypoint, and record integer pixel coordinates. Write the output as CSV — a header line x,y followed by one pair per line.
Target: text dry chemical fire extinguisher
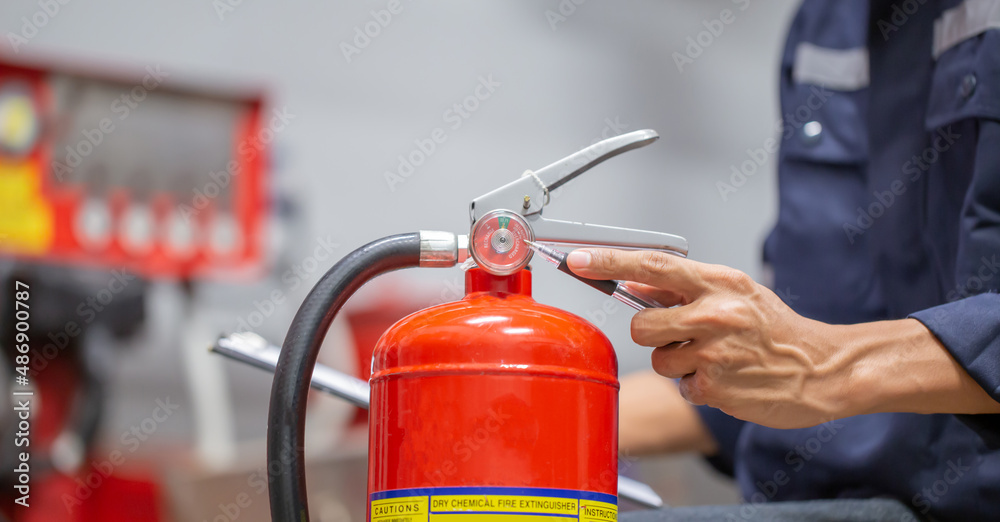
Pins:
x,y
494,406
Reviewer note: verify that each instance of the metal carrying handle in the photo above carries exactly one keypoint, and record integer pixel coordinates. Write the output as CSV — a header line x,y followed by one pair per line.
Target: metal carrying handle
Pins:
x,y
530,194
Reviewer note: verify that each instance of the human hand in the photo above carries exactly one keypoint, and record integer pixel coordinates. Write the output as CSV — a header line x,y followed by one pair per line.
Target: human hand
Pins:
x,y
733,343
737,347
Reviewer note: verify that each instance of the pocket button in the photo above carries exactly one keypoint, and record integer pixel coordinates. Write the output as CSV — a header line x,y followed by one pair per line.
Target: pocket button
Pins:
x,y
968,86
812,132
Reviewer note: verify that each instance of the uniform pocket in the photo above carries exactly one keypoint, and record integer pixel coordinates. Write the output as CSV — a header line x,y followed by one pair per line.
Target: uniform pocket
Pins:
x,y
821,269
966,82
824,102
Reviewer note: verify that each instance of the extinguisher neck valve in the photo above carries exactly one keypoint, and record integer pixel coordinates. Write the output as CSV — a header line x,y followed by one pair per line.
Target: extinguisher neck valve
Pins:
x,y
479,280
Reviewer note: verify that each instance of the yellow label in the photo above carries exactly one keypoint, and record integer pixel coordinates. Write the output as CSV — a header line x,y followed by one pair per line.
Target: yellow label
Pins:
x,y
492,504
26,222
597,511
492,517
402,509
506,503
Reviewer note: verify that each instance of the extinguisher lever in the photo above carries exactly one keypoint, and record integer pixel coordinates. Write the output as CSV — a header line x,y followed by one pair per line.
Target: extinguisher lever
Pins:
x,y
533,191
565,170
590,235
254,350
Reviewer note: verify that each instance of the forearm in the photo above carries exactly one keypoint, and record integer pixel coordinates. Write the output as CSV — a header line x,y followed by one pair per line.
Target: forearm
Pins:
x,y
900,366
653,418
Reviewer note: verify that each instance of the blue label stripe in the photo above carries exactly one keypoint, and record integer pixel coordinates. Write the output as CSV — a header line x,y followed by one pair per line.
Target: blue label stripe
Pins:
x,y
473,490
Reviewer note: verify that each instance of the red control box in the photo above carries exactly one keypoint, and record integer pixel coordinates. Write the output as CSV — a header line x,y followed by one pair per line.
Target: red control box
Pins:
x,y
132,172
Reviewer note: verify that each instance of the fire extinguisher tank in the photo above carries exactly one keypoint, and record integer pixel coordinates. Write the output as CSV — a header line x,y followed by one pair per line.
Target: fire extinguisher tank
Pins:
x,y
488,398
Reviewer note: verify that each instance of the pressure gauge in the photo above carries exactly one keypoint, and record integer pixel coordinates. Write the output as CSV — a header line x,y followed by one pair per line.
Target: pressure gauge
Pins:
x,y
497,242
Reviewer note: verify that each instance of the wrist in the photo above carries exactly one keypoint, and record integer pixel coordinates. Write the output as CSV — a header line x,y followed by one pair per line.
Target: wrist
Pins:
x,y
870,369
847,369
900,366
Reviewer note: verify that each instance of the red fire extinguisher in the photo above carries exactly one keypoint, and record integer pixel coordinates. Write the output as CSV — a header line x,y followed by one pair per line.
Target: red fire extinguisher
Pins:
x,y
493,404
494,407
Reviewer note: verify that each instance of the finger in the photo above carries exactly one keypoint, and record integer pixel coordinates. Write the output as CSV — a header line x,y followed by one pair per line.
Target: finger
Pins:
x,y
674,361
662,326
694,387
664,271
667,298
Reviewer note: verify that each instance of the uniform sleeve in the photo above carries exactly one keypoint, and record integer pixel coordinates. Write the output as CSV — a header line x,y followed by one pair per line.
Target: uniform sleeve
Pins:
x,y
726,431
970,330
969,324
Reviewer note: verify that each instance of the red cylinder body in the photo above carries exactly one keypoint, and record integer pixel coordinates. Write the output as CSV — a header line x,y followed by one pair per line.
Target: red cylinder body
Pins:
x,y
494,406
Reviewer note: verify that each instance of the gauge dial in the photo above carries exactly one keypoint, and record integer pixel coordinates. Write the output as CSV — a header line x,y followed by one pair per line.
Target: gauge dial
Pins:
x,y
497,242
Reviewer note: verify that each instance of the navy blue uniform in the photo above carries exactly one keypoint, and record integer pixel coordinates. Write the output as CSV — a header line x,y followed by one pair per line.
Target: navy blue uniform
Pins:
x,y
889,207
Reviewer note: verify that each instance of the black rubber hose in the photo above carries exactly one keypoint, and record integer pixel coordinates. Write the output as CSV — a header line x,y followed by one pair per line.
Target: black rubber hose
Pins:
x,y
287,415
